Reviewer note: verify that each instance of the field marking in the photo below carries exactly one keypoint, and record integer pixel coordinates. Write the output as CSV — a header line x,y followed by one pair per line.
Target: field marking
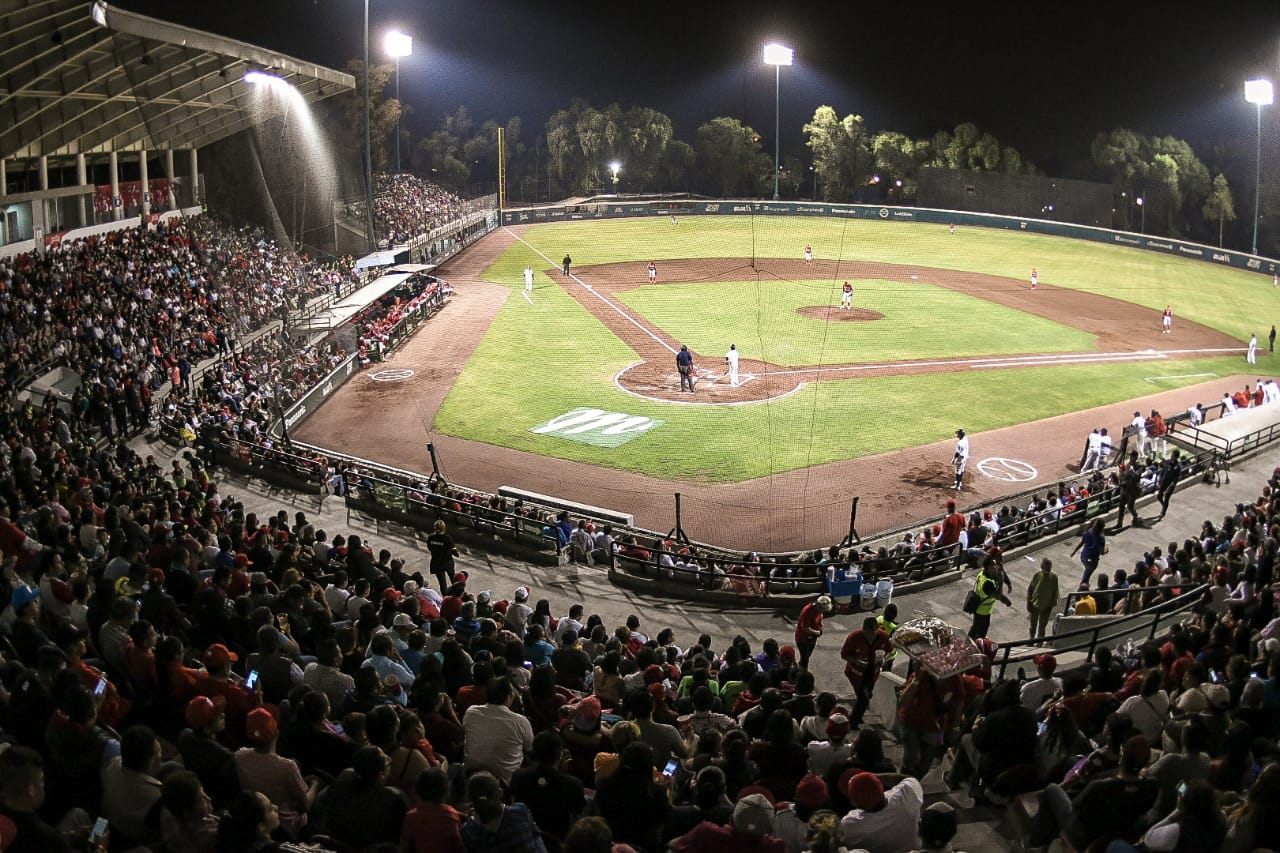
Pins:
x,y
617,383
526,296
1008,470
391,374
632,320
995,361
1152,379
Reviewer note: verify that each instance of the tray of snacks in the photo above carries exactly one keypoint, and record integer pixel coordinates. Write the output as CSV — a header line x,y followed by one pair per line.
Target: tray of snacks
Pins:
x,y
944,650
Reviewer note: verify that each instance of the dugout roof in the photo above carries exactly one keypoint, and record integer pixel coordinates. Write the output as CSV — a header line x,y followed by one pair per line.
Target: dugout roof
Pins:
x,y
82,78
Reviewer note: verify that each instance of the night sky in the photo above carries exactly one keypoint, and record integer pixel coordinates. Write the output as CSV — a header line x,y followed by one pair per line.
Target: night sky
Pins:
x,y
1044,77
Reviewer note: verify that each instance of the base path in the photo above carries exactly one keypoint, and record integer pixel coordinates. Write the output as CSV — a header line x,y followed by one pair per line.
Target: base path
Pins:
x,y
392,422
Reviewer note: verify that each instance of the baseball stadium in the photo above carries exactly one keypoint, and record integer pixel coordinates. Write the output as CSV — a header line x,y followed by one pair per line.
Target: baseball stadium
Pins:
x,y
374,482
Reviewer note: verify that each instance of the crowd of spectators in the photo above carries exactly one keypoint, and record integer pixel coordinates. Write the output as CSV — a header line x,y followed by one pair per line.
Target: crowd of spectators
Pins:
x,y
406,206
133,309
209,680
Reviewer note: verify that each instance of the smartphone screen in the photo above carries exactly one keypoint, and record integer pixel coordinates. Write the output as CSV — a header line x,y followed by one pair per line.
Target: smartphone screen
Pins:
x,y
99,829
670,769
251,680
101,687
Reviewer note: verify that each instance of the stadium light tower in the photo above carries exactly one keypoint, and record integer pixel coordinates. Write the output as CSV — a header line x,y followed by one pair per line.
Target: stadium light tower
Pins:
x,y
1260,94
777,55
370,239
1142,205
615,167
398,44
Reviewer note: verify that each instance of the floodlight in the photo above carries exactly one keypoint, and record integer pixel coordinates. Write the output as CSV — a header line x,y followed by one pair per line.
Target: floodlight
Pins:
x,y
98,11
1259,92
615,167
778,54
255,77
397,44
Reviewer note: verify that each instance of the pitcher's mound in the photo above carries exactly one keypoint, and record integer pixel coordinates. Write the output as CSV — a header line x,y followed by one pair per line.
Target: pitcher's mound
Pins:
x,y
832,312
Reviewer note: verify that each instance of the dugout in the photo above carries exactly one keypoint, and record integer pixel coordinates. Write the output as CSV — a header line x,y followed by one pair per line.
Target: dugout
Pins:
x,y
1034,196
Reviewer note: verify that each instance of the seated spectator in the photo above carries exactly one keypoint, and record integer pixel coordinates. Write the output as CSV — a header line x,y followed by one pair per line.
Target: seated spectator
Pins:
x,y
495,825
201,752
130,789
1034,693
260,769
554,798
22,795
432,826
750,829
1106,809
187,821
359,808
881,821
635,806
497,738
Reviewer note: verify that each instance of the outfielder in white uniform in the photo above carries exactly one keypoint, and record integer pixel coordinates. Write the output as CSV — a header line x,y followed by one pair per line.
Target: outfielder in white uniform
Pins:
x,y
846,298
1252,357
731,359
1168,319
1035,278
808,254
653,271
960,459
528,278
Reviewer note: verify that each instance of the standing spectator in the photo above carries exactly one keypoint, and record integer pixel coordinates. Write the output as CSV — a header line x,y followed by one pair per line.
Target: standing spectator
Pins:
x,y
1042,598
1170,474
809,627
1091,547
863,654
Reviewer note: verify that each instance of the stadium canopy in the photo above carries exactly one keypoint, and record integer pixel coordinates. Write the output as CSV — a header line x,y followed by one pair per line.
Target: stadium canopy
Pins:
x,y
87,78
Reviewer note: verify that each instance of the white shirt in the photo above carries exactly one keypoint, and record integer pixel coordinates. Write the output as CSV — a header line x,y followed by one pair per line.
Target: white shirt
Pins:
x,y
962,448
496,739
1139,425
892,829
1148,713
732,356
1034,693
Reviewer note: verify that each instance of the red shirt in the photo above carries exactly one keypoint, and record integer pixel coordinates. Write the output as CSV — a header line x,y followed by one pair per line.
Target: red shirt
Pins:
x,y
951,527
809,625
863,651
432,828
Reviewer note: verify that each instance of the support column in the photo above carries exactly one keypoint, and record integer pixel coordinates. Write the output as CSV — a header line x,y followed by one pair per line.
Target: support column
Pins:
x,y
168,173
116,210
4,176
195,178
44,173
146,184
81,180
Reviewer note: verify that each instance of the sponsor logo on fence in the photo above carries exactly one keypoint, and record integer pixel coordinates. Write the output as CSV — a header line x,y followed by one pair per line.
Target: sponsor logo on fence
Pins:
x,y
1199,253
1219,256
296,416
597,426
884,213
1254,264
1154,244
1129,241
742,208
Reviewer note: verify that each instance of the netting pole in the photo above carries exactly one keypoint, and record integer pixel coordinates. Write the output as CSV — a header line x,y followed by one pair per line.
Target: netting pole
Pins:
x,y
852,537
435,464
677,532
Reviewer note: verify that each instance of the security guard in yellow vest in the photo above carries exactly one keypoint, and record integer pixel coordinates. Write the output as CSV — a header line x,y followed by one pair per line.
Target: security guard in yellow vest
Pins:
x,y
888,622
988,587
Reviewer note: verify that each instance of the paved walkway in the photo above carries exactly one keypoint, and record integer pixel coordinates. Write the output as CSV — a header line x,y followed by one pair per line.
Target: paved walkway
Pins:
x,y
568,584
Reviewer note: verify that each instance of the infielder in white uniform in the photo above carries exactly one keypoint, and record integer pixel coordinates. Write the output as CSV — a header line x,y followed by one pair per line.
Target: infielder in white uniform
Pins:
x,y
528,278
1252,357
1035,278
653,271
731,359
961,458
808,254
846,298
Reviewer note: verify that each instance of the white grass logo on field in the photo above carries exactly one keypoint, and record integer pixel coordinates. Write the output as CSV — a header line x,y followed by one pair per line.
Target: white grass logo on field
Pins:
x,y
597,426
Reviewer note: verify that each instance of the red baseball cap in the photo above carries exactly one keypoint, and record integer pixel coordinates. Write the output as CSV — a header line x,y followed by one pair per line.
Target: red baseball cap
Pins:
x,y
219,655
203,710
260,727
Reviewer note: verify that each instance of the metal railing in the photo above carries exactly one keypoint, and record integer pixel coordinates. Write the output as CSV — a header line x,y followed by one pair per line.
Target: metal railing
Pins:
x,y
1090,637
1110,595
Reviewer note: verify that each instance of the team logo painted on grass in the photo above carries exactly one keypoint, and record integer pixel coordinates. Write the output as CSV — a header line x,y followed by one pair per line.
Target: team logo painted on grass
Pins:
x,y
1008,470
597,426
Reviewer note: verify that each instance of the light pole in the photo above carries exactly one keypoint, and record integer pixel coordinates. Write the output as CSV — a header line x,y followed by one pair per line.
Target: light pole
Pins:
x,y
615,167
1260,94
397,44
777,55
368,153
814,169
1142,205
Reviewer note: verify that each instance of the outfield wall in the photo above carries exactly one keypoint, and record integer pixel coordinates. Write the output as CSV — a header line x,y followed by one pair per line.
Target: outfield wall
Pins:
x,y
628,209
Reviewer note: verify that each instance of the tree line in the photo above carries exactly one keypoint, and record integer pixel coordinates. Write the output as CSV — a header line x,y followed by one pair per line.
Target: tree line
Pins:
x,y
845,160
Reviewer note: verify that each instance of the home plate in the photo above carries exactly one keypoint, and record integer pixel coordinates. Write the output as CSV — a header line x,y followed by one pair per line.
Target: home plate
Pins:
x,y
915,277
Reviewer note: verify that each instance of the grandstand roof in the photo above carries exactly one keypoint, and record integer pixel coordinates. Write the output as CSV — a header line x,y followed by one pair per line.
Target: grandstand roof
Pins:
x,y
79,77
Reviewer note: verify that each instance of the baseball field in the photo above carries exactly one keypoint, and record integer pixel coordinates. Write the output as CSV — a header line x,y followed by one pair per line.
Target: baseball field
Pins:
x,y
944,331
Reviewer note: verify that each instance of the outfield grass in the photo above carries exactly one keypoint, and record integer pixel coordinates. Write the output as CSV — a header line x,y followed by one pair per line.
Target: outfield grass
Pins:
x,y
539,361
